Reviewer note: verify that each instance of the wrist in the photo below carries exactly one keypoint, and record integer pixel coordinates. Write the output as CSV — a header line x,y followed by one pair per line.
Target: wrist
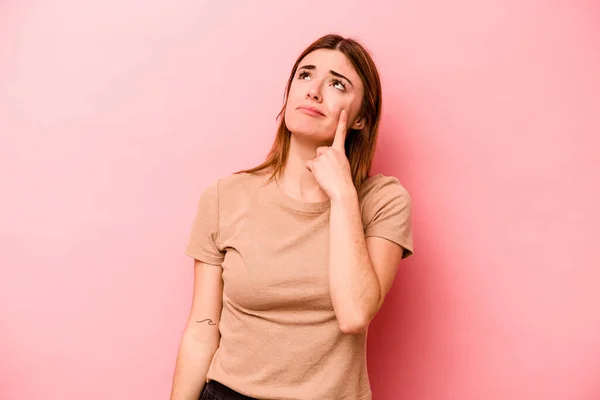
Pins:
x,y
345,196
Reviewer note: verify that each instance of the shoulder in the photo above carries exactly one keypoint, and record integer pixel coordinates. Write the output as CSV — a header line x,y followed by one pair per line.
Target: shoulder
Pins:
x,y
386,211
382,187
381,195
241,181
236,185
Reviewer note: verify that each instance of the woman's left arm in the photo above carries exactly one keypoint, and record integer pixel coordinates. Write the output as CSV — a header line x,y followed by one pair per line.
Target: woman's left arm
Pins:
x,y
361,270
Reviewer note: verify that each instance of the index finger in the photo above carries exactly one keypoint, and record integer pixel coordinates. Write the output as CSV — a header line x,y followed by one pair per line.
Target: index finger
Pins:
x,y
340,133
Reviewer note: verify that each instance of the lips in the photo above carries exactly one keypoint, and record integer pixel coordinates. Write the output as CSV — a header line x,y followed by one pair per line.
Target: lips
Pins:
x,y
311,110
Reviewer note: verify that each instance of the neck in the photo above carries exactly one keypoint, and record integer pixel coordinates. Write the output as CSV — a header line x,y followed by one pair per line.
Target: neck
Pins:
x,y
296,180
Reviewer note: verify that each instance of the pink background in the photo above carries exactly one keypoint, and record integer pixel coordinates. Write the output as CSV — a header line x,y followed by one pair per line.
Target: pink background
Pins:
x,y
115,114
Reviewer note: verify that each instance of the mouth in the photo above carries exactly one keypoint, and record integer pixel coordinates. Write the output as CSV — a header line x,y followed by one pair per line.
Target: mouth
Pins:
x,y
311,111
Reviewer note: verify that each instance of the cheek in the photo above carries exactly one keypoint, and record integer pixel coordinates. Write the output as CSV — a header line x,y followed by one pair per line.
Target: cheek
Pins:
x,y
337,102
296,92
354,109
292,102
291,119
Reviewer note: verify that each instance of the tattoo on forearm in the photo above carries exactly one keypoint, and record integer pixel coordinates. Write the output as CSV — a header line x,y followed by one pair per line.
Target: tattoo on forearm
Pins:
x,y
209,321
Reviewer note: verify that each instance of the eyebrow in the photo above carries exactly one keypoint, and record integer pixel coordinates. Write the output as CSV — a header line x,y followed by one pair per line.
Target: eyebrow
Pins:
x,y
330,71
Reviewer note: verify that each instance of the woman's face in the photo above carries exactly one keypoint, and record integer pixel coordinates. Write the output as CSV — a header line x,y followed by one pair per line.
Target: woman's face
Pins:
x,y
324,84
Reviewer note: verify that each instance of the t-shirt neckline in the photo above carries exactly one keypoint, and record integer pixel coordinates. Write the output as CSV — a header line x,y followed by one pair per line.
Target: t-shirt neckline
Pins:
x,y
294,203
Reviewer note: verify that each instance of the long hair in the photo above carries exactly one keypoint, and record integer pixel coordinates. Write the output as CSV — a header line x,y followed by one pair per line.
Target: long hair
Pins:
x,y
360,144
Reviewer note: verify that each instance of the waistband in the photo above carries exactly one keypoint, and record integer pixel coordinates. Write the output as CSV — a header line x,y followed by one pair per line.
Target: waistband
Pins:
x,y
222,392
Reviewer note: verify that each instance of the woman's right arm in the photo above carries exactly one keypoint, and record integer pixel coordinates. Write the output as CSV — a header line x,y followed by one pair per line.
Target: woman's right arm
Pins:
x,y
201,336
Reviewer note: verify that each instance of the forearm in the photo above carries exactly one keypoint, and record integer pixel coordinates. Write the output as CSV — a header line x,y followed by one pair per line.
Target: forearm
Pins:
x,y
354,287
193,360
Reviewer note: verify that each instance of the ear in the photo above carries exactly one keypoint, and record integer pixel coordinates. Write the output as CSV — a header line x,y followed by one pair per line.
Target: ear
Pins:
x,y
359,123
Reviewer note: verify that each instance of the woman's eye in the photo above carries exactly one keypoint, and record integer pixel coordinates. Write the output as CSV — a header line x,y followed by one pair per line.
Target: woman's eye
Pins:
x,y
340,84
303,75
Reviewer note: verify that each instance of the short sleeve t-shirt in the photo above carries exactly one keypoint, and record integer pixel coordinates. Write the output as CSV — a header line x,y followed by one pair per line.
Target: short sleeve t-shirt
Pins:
x,y
280,338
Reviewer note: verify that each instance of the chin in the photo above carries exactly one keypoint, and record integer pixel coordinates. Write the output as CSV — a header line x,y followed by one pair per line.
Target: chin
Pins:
x,y
311,138
306,130
305,127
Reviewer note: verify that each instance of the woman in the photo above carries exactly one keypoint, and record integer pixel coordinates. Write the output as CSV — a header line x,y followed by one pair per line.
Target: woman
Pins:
x,y
294,258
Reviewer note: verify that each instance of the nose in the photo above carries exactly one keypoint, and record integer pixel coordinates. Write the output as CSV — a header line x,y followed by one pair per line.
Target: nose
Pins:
x,y
314,93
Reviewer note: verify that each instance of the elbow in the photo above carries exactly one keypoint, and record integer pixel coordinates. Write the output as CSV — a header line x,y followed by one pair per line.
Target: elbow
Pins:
x,y
357,319
353,326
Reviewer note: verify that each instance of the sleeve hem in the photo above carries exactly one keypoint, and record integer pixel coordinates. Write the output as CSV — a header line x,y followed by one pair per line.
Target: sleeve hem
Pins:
x,y
205,258
408,249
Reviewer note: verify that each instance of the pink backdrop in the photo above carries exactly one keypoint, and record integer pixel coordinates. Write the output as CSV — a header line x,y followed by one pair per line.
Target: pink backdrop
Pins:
x,y
115,114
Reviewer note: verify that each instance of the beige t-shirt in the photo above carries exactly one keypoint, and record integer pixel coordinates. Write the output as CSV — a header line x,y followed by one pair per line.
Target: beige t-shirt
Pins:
x,y
279,335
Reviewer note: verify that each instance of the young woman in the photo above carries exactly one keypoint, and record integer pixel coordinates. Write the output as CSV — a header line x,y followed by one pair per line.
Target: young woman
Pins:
x,y
294,258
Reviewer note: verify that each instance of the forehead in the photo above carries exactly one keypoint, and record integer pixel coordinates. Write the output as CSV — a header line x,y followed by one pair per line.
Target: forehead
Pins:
x,y
325,60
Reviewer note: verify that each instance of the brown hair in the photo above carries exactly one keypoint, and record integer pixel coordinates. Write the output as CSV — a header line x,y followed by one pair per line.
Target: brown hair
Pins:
x,y
360,144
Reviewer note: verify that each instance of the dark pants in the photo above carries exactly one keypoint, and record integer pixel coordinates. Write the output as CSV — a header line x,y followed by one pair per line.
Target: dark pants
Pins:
x,y
214,390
